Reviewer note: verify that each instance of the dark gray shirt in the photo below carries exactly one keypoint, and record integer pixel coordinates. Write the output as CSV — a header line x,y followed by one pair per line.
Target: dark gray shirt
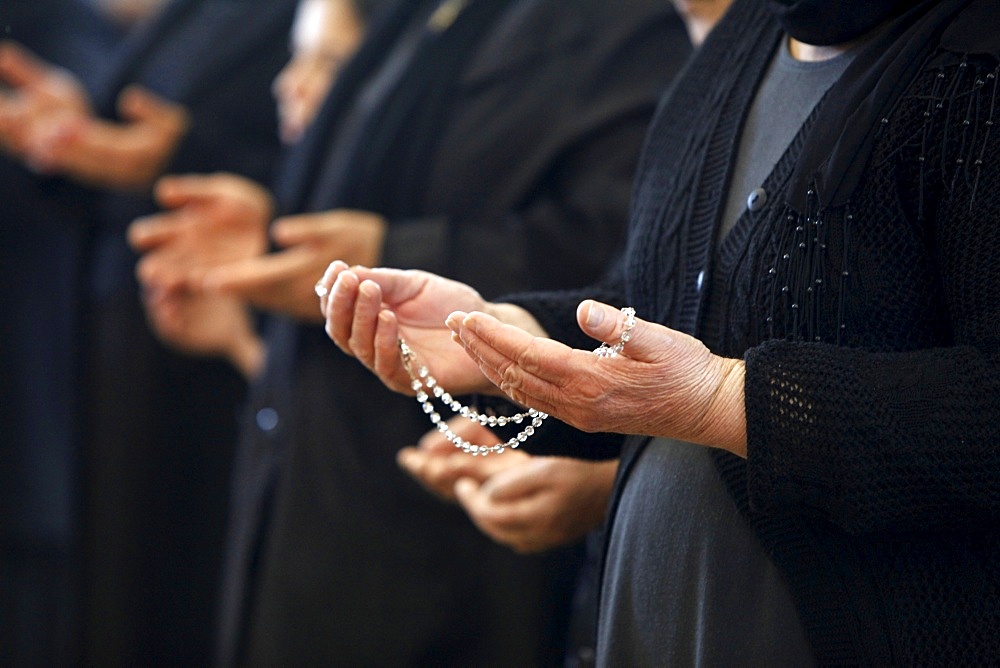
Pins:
x,y
686,581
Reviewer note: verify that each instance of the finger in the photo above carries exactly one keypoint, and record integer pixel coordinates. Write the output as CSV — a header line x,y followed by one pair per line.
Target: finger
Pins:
x,y
488,360
324,286
433,471
367,309
514,483
600,321
528,369
436,442
176,190
388,364
501,521
412,458
467,494
499,345
153,231
88,148
161,271
19,66
343,294
462,465
139,104
646,341
54,142
397,284
245,278
296,230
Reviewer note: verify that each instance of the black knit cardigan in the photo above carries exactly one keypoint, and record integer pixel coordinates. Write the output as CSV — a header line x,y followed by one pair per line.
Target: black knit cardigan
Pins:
x,y
871,335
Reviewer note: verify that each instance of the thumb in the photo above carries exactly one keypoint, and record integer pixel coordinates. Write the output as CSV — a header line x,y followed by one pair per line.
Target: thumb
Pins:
x,y
137,105
637,339
297,230
466,491
175,190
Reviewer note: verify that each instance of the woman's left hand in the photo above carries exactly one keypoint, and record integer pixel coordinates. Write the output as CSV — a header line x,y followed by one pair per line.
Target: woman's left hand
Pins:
x,y
665,383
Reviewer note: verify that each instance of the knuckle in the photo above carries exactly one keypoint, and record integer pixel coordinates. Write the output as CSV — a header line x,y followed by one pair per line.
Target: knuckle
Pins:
x,y
530,358
510,378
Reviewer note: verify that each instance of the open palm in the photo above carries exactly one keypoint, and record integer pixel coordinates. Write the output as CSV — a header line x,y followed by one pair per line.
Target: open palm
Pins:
x,y
369,310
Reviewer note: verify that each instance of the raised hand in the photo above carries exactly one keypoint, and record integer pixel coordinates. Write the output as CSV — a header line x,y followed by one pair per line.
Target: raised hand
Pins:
x,y
126,155
210,221
284,281
368,310
665,384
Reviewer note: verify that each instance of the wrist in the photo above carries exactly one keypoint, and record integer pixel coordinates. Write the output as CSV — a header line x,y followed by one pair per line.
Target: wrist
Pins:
x,y
248,354
724,423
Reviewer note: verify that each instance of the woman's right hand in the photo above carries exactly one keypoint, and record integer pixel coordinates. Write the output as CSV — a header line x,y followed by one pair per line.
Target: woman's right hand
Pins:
x,y
368,311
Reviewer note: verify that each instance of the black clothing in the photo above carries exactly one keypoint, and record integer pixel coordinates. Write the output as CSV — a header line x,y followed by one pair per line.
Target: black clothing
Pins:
x,y
688,582
869,331
661,560
40,266
161,426
505,158
128,444
822,23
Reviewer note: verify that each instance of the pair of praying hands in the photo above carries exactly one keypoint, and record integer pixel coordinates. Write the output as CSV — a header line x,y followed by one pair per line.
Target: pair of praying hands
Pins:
x,y
47,122
665,384
206,264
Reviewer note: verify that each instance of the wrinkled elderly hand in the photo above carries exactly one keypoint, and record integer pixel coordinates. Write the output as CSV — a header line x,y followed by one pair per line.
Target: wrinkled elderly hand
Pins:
x,y
40,95
368,310
284,281
665,384
528,503
210,221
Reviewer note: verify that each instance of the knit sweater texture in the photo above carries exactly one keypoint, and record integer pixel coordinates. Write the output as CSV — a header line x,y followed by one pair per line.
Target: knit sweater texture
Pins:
x,y
871,335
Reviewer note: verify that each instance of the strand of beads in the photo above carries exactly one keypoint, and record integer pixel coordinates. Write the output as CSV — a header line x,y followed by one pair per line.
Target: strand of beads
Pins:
x,y
426,386
614,351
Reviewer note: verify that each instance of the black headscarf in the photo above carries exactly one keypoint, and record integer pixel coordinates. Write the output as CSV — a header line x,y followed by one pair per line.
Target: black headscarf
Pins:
x,y
826,22
841,138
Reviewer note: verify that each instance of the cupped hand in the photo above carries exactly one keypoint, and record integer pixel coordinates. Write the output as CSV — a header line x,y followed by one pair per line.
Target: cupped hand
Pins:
x,y
126,155
541,503
369,310
209,221
284,281
531,504
666,383
437,464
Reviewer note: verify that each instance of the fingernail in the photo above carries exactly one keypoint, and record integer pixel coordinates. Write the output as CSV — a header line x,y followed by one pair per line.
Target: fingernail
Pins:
x,y
595,315
368,289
